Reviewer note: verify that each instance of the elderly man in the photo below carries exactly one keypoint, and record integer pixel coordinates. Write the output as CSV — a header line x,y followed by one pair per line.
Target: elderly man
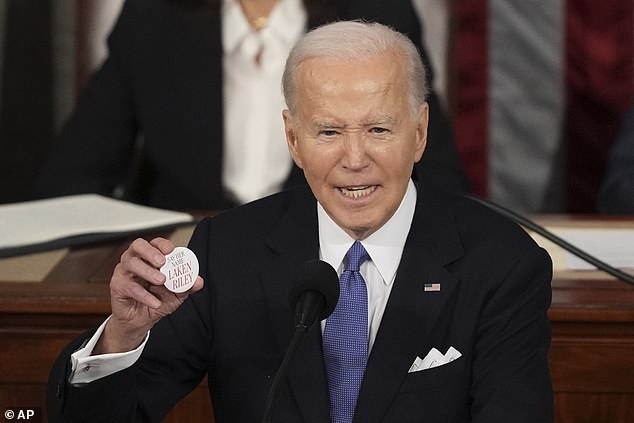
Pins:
x,y
442,314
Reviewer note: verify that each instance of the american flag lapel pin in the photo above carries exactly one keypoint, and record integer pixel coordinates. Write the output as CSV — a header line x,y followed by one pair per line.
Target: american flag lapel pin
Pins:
x,y
432,287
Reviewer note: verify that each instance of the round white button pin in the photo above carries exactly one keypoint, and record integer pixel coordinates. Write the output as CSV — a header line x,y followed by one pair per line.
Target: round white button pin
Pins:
x,y
180,269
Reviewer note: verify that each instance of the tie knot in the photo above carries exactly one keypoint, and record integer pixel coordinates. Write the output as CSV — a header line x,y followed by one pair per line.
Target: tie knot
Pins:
x,y
355,256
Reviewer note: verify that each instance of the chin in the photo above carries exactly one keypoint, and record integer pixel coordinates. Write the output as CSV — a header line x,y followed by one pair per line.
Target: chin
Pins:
x,y
361,233
360,228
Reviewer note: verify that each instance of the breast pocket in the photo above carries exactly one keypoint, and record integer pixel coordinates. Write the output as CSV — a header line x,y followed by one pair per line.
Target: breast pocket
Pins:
x,y
439,394
452,373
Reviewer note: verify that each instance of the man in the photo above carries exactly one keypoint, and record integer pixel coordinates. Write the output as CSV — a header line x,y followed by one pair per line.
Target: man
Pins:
x,y
439,277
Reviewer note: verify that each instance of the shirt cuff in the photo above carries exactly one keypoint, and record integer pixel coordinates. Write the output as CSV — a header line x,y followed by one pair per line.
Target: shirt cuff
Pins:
x,y
86,368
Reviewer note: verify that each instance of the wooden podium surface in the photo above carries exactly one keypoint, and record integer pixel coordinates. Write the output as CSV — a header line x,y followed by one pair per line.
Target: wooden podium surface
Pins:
x,y
48,299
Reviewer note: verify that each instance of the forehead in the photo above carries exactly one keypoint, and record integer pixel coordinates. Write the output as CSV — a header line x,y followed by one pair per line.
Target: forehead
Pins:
x,y
362,82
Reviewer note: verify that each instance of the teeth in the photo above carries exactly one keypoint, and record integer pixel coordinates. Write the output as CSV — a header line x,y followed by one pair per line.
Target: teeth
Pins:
x,y
357,192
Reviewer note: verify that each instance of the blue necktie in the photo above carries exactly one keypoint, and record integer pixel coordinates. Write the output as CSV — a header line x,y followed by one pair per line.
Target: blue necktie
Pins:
x,y
346,338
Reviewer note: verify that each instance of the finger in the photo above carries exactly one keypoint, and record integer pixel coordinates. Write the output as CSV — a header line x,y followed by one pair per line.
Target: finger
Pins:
x,y
138,293
136,267
172,300
146,251
143,259
198,285
164,245
125,287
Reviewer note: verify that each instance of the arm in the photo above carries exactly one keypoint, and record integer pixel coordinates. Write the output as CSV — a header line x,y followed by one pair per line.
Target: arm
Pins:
x,y
511,380
139,301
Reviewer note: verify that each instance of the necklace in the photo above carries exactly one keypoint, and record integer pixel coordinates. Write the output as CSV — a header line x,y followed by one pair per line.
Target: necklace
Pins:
x,y
259,22
257,12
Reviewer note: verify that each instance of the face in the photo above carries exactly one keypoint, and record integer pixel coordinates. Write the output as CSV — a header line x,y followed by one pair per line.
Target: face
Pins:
x,y
355,137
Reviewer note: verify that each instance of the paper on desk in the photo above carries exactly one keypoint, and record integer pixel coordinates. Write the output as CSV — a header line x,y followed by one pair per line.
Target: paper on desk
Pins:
x,y
43,224
614,246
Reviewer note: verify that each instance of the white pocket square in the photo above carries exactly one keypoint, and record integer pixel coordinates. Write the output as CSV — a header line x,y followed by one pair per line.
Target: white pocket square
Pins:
x,y
434,358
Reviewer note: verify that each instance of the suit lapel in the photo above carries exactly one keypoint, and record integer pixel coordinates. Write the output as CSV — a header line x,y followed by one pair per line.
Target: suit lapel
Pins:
x,y
411,313
294,241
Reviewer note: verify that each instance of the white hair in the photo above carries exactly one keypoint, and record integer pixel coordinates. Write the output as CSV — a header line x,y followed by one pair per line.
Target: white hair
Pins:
x,y
357,40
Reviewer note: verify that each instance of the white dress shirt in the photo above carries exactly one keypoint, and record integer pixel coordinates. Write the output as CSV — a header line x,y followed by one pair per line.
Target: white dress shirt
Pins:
x,y
385,248
256,161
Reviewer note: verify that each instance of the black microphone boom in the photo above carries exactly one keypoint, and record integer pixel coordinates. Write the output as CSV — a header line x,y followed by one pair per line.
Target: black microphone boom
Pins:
x,y
527,223
313,296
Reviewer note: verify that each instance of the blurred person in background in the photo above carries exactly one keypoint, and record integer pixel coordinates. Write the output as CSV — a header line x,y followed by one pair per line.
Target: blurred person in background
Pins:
x,y
616,195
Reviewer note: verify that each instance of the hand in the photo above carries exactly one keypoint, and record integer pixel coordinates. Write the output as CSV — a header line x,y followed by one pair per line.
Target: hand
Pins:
x,y
138,297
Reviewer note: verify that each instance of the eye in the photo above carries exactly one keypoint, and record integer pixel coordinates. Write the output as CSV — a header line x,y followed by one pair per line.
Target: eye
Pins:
x,y
328,133
377,130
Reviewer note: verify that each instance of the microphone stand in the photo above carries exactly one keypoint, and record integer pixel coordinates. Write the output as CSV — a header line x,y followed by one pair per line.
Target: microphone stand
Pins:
x,y
599,264
296,340
308,307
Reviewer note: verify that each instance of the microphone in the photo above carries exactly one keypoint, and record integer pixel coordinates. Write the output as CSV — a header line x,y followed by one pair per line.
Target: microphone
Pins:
x,y
527,223
313,296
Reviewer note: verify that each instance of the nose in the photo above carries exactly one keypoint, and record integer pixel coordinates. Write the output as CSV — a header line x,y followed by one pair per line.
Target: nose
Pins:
x,y
355,155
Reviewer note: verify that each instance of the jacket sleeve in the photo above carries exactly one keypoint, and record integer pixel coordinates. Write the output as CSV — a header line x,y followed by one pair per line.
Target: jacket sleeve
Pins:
x,y
174,361
511,380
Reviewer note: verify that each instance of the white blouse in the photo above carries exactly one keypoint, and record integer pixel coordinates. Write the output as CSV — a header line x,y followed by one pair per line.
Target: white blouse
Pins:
x,y
256,161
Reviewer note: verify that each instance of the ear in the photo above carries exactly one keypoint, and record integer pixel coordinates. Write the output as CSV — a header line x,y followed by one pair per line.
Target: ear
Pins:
x,y
291,137
421,131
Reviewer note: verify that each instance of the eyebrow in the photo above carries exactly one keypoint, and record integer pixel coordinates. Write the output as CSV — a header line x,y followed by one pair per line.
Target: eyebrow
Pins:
x,y
326,124
373,121
380,120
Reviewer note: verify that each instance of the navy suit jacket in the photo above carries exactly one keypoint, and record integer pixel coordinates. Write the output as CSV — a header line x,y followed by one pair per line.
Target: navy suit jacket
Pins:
x,y
492,307
162,82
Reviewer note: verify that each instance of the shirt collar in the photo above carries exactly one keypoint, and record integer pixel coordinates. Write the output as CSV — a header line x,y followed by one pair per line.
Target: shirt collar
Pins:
x,y
385,246
287,22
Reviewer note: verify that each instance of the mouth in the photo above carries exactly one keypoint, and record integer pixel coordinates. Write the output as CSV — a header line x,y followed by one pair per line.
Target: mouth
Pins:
x,y
356,192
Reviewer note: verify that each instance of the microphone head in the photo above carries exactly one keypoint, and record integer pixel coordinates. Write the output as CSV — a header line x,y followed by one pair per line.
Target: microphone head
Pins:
x,y
317,276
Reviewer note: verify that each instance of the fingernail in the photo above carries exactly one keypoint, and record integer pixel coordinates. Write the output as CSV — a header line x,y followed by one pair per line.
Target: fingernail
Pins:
x,y
158,259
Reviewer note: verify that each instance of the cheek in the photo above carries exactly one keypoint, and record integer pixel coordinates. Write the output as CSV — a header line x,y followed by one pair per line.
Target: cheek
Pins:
x,y
395,161
319,161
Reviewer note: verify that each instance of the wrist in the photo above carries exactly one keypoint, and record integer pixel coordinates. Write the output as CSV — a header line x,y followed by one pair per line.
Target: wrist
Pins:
x,y
117,339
